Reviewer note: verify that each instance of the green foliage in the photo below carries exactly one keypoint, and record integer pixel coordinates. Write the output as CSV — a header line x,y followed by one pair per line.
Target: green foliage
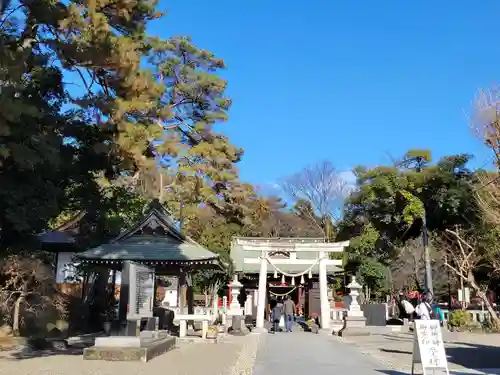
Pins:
x,y
95,148
460,318
32,153
215,233
388,206
386,211
366,242
489,245
413,209
373,274
416,159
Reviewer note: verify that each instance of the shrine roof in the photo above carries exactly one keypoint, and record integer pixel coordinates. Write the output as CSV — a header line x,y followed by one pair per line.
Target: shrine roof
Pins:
x,y
154,239
56,238
149,248
64,237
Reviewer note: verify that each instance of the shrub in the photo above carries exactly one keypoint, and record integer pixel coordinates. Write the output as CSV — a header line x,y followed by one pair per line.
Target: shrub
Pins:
x,y
460,318
28,289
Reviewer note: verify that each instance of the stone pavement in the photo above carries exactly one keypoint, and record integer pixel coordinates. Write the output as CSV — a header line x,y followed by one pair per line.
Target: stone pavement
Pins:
x,y
389,353
307,353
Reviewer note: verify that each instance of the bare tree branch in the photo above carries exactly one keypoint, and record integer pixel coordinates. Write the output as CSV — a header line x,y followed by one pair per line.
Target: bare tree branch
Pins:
x,y
485,121
322,186
408,268
467,255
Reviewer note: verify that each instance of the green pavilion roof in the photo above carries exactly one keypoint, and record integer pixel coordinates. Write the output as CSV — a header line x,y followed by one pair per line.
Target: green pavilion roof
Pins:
x,y
150,248
154,240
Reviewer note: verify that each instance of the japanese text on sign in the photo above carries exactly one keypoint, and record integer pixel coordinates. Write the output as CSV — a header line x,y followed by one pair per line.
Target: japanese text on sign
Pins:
x,y
428,345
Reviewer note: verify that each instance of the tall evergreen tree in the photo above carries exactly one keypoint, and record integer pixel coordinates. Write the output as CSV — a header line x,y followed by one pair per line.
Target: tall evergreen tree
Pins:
x,y
117,117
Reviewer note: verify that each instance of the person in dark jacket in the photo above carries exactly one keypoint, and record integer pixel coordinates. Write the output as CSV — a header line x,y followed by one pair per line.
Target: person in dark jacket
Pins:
x,y
277,312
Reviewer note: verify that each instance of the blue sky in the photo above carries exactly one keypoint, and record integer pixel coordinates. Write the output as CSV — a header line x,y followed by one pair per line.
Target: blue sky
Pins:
x,y
348,81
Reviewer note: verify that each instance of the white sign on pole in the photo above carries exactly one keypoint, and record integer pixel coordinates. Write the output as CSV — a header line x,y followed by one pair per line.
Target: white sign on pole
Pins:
x,y
464,295
428,347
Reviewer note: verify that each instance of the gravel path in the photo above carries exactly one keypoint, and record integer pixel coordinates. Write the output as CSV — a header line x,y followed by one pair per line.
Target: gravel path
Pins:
x,y
233,355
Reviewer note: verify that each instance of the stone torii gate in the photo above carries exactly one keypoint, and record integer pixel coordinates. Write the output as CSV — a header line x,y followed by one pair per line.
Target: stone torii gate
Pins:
x,y
299,257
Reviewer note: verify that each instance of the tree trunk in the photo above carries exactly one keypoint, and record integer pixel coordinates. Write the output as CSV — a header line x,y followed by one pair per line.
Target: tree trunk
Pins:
x,y
367,294
495,321
16,316
215,296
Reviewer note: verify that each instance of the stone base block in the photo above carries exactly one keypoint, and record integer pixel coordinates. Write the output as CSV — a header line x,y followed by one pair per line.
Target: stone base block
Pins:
x,y
354,326
345,332
355,321
238,332
159,334
147,350
118,342
238,326
197,340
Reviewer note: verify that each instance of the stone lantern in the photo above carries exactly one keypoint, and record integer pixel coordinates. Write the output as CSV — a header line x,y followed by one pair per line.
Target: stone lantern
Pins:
x,y
234,306
355,321
354,307
235,313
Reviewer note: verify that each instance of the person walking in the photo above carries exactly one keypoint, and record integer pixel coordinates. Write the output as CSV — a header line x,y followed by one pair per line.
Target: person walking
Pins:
x,y
424,309
289,310
270,307
439,313
276,315
408,309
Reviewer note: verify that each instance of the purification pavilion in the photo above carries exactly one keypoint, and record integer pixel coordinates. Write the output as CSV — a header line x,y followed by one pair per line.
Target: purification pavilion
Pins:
x,y
156,241
298,267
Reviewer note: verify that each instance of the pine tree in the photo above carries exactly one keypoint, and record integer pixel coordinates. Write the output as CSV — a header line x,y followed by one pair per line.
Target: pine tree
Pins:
x,y
31,146
202,160
116,118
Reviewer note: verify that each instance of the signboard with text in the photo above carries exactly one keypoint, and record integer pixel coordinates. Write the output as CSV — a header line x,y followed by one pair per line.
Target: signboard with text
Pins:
x,y
428,347
136,291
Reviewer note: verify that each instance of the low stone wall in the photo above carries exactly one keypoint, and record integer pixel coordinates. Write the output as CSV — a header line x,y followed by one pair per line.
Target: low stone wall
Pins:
x,y
376,314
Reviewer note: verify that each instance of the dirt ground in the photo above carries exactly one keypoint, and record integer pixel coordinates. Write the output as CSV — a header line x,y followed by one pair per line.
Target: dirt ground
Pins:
x,y
233,355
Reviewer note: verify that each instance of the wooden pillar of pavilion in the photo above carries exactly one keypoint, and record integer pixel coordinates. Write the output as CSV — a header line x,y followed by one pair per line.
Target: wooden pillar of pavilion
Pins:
x,y
182,291
186,295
